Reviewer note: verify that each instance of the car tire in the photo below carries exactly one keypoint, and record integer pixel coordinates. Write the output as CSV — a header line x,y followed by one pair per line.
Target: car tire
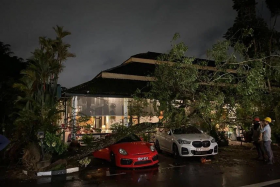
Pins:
x,y
112,159
157,146
175,151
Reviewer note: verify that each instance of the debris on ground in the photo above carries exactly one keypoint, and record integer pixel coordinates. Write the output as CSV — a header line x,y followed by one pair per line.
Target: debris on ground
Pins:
x,y
245,154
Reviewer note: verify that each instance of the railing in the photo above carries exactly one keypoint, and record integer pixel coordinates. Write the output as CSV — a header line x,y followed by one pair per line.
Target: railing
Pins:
x,y
95,135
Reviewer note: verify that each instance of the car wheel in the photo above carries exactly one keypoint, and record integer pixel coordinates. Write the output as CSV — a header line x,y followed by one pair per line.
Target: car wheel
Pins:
x,y
157,146
113,159
175,151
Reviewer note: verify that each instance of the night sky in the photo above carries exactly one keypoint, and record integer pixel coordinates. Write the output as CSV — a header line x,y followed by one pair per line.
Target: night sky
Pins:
x,y
107,32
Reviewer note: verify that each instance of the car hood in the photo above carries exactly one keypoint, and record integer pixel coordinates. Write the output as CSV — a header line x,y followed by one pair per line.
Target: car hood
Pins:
x,y
134,148
192,137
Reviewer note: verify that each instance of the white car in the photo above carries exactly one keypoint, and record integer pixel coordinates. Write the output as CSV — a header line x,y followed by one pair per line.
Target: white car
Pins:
x,y
186,142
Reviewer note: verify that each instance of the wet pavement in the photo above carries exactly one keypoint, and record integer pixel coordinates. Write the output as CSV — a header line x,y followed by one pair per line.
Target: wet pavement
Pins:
x,y
169,172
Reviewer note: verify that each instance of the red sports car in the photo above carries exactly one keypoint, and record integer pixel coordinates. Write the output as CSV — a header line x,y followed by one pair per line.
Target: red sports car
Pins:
x,y
129,152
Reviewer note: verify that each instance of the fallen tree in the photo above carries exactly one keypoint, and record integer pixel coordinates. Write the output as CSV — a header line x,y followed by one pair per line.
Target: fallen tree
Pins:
x,y
113,138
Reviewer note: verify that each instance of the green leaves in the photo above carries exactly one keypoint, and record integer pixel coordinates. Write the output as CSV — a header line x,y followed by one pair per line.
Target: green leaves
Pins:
x,y
175,83
191,91
39,104
85,161
88,139
219,51
53,144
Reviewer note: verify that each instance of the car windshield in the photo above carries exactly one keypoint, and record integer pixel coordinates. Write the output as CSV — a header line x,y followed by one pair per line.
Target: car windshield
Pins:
x,y
187,130
130,138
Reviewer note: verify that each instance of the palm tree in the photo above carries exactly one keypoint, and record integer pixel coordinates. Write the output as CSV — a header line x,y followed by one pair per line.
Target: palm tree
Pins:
x,y
39,82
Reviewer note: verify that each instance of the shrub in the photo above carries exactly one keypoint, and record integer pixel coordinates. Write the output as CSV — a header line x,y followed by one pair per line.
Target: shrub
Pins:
x,y
53,144
118,128
88,139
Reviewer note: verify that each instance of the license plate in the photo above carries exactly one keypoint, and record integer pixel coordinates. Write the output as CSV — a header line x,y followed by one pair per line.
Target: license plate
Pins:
x,y
202,149
142,158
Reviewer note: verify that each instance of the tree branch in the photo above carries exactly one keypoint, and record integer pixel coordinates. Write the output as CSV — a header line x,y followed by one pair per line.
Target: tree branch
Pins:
x,y
258,59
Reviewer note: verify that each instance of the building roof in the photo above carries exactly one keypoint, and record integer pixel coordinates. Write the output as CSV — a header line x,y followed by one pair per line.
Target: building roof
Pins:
x,y
102,85
136,68
148,55
109,87
123,80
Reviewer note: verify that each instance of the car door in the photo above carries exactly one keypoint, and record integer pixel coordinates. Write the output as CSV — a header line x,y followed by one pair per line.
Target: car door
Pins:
x,y
169,141
161,137
165,140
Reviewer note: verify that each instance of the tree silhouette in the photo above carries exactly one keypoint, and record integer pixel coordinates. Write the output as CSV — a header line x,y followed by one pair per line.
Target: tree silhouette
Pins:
x,y
252,30
9,74
39,102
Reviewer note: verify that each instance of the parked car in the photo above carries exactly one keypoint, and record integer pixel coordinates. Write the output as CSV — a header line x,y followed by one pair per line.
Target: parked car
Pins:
x,y
186,141
129,152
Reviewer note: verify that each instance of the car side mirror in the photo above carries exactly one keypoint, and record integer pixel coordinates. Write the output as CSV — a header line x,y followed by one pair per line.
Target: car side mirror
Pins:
x,y
169,133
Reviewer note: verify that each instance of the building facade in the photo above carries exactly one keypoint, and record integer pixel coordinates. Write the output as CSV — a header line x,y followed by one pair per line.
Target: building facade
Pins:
x,y
107,98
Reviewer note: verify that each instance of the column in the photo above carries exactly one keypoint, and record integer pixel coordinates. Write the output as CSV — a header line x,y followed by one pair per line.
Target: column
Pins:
x,y
125,111
74,114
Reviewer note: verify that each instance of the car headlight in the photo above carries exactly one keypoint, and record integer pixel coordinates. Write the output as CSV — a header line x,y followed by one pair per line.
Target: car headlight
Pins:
x,y
213,140
122,151
152,148
183,141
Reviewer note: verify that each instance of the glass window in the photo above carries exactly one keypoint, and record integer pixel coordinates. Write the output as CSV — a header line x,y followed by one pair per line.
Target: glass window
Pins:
x,y
130,138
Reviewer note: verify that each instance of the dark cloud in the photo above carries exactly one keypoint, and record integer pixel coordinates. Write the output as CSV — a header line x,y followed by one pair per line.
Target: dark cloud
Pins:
x,y
106,33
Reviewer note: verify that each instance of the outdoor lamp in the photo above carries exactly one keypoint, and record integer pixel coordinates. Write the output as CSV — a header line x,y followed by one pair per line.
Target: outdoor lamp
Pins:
x,y
160,115
41,136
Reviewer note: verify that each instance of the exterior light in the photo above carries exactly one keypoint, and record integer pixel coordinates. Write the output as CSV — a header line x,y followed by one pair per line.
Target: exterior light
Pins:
x,y
160,115
41,136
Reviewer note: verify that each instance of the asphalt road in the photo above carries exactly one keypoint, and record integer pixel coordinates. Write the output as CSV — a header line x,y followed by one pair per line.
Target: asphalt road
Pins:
x,y
170,172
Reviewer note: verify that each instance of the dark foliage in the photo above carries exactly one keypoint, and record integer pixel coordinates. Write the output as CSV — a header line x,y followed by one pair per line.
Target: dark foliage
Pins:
x,y
219,136
9,74
252,30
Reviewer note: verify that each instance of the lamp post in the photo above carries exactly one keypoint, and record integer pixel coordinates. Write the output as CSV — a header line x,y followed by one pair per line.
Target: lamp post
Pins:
x,y
41,136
